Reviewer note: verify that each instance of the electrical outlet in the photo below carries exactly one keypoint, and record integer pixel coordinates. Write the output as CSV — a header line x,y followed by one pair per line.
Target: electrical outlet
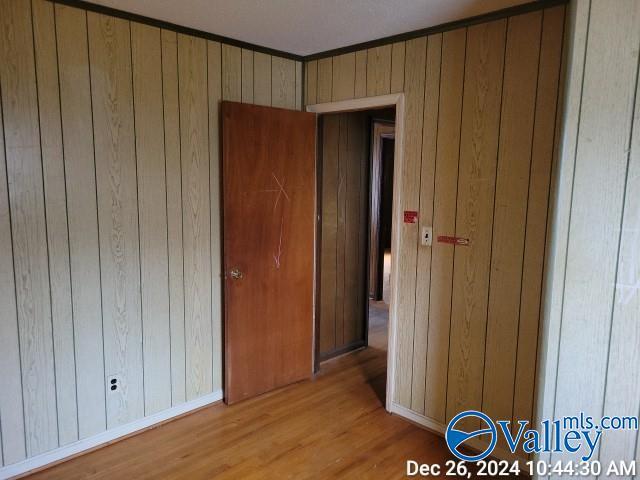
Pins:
x,y
113,383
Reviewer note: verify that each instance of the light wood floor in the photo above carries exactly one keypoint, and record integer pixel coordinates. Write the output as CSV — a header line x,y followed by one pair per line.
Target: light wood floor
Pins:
x,y
332,426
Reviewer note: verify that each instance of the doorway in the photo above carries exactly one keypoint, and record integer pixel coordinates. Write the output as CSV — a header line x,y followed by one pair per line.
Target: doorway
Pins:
x,y
346,143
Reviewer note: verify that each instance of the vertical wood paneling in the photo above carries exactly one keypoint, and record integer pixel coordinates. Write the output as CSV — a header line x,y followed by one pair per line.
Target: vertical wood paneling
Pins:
x,y
444,220
155,121
247,76
604,130
299,91
622,394
343,82
194,141
171,113
577,21
342,192
231,73
328,273
510,210
283,82
345,175
311,79
427,186
590,340
12,434
214,89
415,59
353,288
362,150
360,87
325,80
28,225
56,216
397,67
115,245
114,134
476,184
152,204
379,70
261,79
77,134
534,248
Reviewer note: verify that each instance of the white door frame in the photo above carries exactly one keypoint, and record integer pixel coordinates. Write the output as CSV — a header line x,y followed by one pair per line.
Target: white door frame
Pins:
x,y
393,100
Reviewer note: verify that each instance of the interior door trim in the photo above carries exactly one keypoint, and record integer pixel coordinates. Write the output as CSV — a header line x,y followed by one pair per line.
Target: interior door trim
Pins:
x,y
392,100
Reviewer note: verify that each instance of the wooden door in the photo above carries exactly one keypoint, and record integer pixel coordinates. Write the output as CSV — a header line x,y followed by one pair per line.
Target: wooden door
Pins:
x,y
268,209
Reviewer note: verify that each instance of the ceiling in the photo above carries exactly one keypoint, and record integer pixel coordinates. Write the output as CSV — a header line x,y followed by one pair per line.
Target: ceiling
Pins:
x,y
305,27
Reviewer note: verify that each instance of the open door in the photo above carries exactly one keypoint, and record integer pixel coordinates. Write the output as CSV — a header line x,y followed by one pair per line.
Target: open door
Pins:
x,y
268,215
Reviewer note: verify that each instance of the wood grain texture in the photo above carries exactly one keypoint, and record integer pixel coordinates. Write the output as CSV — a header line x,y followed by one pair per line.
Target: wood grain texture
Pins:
x,y
444,220
361,146
343,82
474,218
415,59
114,134
379,70
538,199
283,83
425,219
605,126
332,427
325,80
354,289
510,212
12,434
217,275
622,393
576,25
341,219
329,232
194,140
115,245
261,79
344,191
360,80
231,73
146,55
396,84
299,86
247,76
171,115
56,215
268,336
311,78
28,225
84,248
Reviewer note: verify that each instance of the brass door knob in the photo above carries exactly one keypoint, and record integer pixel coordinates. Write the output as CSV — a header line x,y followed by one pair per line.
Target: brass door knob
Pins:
x,y
236,274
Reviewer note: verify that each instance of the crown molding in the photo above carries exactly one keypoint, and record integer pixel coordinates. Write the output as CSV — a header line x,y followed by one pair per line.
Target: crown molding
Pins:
x,y
444,27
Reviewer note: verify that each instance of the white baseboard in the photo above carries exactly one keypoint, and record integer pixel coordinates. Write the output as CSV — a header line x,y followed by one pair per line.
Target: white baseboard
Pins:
x,y
499,452
108,436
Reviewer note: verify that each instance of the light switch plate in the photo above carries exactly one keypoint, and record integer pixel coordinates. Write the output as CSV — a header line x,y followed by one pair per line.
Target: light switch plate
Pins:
x,y
427,236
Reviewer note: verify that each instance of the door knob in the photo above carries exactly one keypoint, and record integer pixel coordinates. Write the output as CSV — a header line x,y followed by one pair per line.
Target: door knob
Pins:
x,y
236,274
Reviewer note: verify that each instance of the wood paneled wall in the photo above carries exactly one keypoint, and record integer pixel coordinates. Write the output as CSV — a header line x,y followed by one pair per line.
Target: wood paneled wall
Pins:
x,y
591,342
110,216
480,108
343,248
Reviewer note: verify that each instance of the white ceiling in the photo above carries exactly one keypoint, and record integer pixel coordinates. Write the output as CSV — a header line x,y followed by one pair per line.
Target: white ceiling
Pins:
x,y
305,27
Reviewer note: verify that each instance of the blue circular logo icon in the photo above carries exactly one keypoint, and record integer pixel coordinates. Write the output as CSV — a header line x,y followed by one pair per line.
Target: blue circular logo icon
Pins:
x,y
456,438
